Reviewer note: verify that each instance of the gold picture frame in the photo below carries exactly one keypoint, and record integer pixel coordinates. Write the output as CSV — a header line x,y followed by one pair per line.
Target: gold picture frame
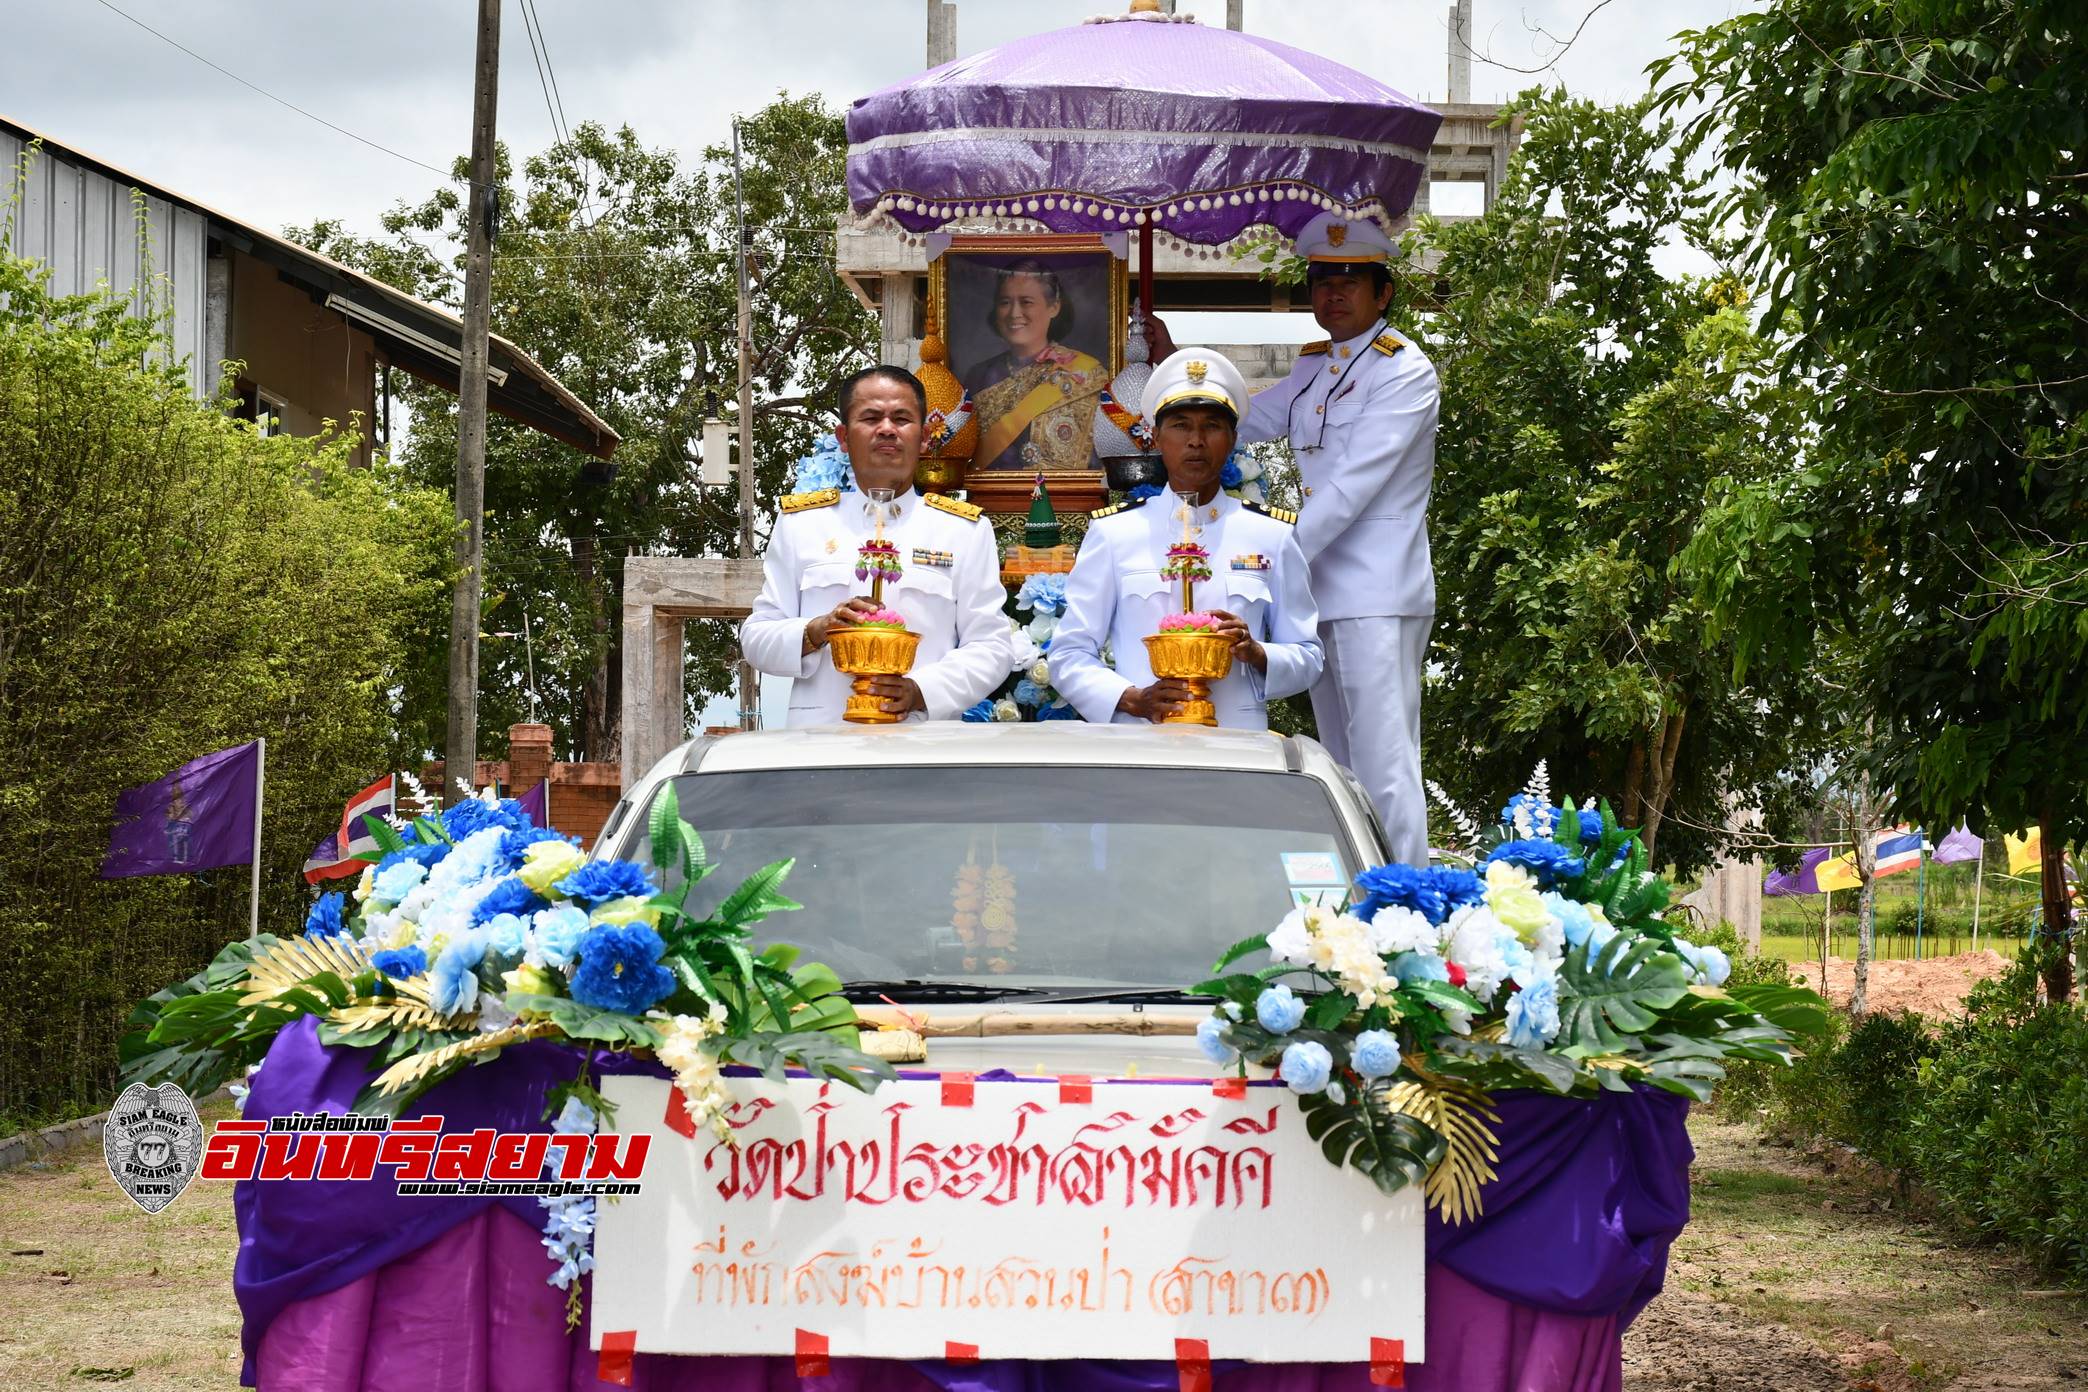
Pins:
x,y
1094,283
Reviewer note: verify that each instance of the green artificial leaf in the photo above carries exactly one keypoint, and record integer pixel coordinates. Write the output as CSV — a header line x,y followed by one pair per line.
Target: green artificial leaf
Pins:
x,y
1241,988
1618,994
382,833
1328,1009
431,832
757,897
1389,1148
1258,942
1492,1066
663,826
1801,1011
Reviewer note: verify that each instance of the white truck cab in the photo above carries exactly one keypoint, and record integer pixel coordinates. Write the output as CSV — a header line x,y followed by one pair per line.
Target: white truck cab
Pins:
x,y
1034,896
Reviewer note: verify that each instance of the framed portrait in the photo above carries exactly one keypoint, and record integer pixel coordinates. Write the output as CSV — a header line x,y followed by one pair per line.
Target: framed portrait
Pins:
x,y
1035,329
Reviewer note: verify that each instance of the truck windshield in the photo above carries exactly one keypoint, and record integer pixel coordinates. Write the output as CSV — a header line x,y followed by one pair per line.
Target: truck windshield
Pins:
x,y
1020,877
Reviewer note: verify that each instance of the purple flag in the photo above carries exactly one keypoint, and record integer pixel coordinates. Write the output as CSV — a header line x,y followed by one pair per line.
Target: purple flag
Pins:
x,y
196,818
1959,845
537,803
1803,880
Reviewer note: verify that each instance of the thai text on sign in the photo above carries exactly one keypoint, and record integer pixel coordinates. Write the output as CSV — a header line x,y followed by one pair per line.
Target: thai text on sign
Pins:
x,y
894,1225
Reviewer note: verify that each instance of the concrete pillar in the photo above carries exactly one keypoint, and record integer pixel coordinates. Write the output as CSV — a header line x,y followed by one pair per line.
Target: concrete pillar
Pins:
x,y
1236,15
529,757
217,318
1461,51
942,32
899,347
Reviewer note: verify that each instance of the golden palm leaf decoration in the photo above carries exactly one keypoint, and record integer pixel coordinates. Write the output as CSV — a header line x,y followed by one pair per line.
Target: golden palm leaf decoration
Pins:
x,y
365,1016
412,1069
1463,1116
291,962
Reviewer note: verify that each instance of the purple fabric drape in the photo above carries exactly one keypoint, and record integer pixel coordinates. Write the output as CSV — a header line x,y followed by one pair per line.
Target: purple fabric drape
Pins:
x,y
349,1285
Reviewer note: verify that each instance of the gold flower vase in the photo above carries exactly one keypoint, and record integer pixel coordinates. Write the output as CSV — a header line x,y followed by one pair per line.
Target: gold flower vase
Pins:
x,y
1196,659
864,653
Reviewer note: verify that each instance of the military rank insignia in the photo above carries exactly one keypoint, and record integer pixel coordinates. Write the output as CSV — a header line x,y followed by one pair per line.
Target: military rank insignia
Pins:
x,y
1252,561
941,560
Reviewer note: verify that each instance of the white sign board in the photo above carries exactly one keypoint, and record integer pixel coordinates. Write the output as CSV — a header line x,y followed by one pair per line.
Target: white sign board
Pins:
x,y
1023,1224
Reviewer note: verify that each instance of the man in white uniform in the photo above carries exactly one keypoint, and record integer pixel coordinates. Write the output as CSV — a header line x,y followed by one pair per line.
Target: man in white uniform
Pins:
x,y
948,589
1258,588
1360,412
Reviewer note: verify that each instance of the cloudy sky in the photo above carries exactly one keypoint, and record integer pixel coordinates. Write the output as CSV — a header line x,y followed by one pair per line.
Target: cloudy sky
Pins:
x,y
398,73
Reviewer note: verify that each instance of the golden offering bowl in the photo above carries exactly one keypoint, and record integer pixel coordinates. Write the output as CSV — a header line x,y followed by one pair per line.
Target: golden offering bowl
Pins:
x,y
936,474
864,653
1196,659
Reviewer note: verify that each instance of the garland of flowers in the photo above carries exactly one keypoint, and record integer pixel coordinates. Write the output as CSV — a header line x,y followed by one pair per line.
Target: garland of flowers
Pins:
x,y
1034,611
1547,965
877,557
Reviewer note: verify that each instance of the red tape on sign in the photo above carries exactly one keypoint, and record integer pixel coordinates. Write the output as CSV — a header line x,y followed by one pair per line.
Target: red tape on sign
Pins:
x,y
1075,1090
613,1363
1388,1362
811,1354
957,1089
678,1119
960,1353
1233,1088
1193,1363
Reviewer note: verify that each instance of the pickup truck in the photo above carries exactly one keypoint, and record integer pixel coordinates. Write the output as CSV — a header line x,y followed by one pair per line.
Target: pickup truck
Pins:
x,y
1026,896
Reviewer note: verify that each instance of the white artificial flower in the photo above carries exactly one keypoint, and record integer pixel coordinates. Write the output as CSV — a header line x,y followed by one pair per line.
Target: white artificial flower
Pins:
x,y
1397,928
1477,942
1292,940
1006,710
1040,672
1043,626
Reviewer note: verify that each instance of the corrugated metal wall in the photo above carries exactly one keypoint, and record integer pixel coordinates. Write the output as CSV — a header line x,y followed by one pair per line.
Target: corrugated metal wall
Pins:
x,y
83,225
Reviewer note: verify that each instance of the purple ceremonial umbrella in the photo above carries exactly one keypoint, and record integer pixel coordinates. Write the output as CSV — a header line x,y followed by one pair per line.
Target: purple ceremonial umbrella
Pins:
x,y
1133,123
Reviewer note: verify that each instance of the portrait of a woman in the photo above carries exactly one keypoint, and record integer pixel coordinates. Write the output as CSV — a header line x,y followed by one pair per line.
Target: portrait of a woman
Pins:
x,y
1034,400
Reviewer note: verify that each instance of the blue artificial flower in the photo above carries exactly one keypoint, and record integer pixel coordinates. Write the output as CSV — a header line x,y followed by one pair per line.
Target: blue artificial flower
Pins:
x,y
393,883
1210,1037
982,713
1375,1053
1307,1067
558,931
1028,693
1708,966
1533,1014
1142,491
1042,594
1590,827
474,815
1543,816
599,881
324,921
827,466
453,982
1411,967
1551,863
423,854
620,968
1279,1010
1574,919
400,962
515,843
510,896
1230,476
1060,710
506,935
1435,892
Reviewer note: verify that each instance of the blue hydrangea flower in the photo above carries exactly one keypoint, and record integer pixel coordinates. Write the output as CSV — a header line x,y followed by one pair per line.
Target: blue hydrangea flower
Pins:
x,y
599,881
1551,863
557,932
453,981
1708,966
1375,1053
1435,892
1058,711
473,815
1410,967
982,713
427,855
1574,918
1307,1067
392,884
1279,1010
324,921
827,466
515,843
400,962
1210,1037
1140,492
1229,476
510,896
620,968
1533,1014
1042,594
1590,826
506,935
1028,693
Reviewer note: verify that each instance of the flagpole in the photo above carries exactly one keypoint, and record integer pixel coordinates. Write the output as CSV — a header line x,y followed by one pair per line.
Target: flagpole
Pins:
x,y
1920,896
1978,879
260,774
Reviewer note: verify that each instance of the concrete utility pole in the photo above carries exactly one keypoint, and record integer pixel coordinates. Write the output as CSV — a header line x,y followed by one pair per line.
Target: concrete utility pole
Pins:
x,y
1236,15
1461,51
942,32
749,690
460,751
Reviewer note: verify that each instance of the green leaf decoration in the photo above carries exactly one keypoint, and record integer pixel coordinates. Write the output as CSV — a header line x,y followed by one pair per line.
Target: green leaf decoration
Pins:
x,y
381,832
663,826
696,864
1618,994
1389,1148
757,897
1259,942
1241,988
1490,1066
1328,1009
430,831
1792,1008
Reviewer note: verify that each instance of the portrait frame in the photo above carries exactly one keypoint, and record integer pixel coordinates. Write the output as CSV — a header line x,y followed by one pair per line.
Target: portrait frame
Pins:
x,y
1097,285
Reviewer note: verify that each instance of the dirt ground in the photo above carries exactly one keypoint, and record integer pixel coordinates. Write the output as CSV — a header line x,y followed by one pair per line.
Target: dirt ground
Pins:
x,y
1791,1277
1935,986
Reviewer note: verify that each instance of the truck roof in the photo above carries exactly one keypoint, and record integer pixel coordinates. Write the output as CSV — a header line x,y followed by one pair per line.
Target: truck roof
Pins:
x,y
952,742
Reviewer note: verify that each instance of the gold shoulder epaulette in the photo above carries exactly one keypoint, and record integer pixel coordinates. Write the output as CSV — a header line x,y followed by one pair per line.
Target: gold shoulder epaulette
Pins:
x,y
970,512
1312,350
798,502
1126,506
1386,344
1283,515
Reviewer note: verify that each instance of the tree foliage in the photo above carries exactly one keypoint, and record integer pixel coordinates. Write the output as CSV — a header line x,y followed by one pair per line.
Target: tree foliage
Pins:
x,y
1910,175
170,583
1589,401
613,266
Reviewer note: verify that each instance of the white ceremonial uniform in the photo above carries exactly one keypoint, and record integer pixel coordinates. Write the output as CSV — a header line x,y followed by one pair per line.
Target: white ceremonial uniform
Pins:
x,y
948,588
1117,595
1361,419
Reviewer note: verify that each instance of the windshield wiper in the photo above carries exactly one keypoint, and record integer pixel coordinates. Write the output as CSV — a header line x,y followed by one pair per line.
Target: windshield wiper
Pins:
x,y
1163,995
933,990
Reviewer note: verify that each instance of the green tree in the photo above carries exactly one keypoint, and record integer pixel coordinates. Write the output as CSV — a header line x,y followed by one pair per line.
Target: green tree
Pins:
x,y
170,583
1910,178
1589,399
613,267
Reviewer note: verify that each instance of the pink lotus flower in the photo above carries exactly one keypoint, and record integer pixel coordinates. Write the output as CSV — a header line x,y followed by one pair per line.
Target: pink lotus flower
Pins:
x,y
880,618
1189,623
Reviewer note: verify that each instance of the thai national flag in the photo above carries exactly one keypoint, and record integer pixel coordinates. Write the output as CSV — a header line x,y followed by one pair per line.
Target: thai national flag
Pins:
x,y
1898,849
352,846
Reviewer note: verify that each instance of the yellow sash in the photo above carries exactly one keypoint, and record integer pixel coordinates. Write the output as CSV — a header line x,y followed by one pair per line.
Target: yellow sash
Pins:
x,y
1006,430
